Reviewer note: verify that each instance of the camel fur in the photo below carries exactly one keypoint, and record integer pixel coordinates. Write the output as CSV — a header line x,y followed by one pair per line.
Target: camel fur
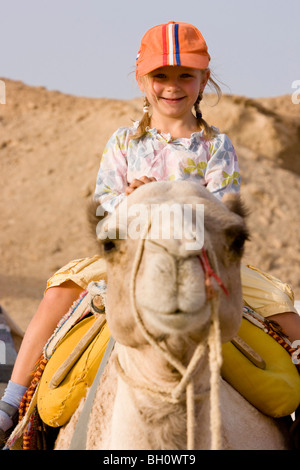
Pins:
x,y
141,401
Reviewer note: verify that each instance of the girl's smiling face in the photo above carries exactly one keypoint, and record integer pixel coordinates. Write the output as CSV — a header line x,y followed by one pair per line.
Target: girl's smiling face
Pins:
x,y
173,90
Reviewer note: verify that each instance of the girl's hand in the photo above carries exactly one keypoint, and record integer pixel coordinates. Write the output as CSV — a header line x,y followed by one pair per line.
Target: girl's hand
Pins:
x,y
136,183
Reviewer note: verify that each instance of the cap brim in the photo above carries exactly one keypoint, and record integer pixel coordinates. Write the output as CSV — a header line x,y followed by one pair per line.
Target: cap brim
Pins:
x,y
195,61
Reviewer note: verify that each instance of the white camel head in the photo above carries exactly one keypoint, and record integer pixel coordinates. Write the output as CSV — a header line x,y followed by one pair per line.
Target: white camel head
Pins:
x,y
168,262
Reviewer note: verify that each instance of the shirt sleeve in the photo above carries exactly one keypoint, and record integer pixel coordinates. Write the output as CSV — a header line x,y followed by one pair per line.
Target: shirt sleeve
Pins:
x,y
112,175
222,172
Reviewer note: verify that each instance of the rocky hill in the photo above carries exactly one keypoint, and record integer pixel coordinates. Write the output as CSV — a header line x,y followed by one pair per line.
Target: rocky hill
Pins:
x,y
50,147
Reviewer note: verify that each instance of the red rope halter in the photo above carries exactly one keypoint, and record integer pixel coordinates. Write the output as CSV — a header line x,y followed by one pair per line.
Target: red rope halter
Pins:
x,y
209,273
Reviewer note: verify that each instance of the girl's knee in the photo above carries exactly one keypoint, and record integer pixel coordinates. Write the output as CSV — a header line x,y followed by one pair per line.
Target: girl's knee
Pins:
x,y
68,290
57,300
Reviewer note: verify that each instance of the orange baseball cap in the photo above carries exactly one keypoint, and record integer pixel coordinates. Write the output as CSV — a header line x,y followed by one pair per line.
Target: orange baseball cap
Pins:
x,y
172,44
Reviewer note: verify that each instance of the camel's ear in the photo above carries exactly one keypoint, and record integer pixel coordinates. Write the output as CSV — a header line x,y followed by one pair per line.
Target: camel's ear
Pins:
x,y
236,234
95,214
235,204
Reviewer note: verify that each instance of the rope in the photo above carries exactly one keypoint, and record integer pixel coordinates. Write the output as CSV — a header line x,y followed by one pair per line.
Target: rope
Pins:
x,y
165,393
186,383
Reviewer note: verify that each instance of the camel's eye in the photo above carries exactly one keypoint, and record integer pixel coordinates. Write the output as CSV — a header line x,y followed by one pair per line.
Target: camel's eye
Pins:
x,y
236,240
109,246
237,245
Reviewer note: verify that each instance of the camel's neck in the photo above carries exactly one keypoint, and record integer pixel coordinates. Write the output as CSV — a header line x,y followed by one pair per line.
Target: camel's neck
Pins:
x,y
148,366
144,401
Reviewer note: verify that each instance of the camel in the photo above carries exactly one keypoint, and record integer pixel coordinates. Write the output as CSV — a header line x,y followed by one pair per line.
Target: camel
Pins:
x,y
171,301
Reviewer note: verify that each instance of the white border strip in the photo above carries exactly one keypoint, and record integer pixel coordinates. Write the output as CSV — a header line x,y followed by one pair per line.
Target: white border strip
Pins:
x,y
171,52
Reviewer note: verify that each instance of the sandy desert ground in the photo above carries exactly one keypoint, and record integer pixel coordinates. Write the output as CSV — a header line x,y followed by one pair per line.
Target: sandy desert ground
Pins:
x,y
50,148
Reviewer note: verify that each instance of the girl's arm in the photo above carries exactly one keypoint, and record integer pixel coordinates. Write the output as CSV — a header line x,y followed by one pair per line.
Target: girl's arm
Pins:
x,y
112,185
111,180
222,173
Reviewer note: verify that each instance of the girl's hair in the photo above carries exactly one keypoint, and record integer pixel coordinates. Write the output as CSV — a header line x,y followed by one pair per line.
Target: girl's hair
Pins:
x,y
208,131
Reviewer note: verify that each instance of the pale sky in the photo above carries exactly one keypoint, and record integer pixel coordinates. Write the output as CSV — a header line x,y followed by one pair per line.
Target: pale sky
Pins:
x,y
88,47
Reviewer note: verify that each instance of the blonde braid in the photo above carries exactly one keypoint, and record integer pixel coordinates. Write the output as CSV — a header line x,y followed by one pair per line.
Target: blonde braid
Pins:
x,y
144,122
197,107
208,131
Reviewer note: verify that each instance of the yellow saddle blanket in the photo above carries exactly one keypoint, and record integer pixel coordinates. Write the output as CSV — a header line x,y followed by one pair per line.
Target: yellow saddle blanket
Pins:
x,y
59,396
273,386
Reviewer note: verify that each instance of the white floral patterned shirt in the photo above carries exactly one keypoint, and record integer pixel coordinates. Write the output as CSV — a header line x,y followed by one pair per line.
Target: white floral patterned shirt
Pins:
x,y
213,163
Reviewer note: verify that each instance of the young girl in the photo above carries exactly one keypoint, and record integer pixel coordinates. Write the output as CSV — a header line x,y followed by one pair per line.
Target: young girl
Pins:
x,y
171,142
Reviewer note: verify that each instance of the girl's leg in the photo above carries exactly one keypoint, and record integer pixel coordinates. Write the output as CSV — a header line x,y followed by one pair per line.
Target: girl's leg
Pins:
x,y
290,324
272,299
55,303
